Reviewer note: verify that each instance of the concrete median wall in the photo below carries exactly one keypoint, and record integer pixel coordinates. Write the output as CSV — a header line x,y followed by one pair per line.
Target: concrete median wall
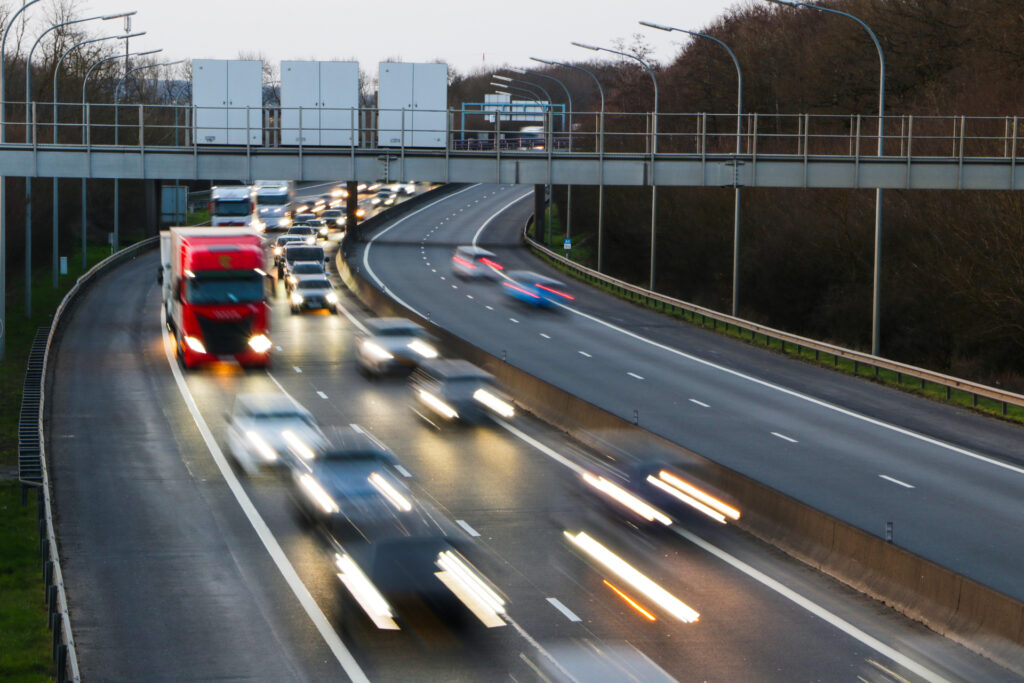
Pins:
x,y
959,608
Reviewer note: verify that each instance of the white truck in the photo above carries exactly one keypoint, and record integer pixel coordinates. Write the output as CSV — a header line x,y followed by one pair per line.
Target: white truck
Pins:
x,y
274,200
233,205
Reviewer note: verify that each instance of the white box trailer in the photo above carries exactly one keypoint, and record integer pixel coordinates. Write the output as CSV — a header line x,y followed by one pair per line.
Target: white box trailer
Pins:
x,y
412,104
227,95
319,102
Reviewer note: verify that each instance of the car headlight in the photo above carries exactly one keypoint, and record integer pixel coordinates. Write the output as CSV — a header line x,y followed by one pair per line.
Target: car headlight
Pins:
x,y
260,343
311,239
261,446
376,351
323,231
317,493
195,344
292,280
332,298
278,251
297,299
494,403
422,348
284,222
360,213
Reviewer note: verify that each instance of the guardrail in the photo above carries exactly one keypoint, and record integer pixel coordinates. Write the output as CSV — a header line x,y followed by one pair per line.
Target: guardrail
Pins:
x,y
53,578
903,375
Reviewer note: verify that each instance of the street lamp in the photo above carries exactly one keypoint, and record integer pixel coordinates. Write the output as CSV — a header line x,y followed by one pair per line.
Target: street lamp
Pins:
x,y
568,97
877,283
654,149
600,148
739,148
28,97
3,188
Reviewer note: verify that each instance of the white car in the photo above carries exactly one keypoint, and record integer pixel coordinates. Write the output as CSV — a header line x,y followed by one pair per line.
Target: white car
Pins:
x,y
470,262
392,344
264,429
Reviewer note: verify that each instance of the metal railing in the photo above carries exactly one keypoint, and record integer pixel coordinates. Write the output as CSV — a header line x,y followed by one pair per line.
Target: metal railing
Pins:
x,y
907,376
678,134
64,653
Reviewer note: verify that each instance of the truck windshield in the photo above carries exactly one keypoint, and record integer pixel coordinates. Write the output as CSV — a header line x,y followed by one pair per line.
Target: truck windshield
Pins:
x,y
231,207
224,288
272,199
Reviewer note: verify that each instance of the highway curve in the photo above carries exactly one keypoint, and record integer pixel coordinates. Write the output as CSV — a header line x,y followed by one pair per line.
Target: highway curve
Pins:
x,y
177,569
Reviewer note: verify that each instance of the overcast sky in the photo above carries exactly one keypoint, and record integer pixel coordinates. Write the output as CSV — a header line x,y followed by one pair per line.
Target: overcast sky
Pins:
x,y
467,35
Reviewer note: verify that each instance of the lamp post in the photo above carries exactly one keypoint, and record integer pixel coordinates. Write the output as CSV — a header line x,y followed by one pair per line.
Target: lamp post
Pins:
x,y
877,280
654,150
739,148
568,97
3,188
600,148
85,117
28,97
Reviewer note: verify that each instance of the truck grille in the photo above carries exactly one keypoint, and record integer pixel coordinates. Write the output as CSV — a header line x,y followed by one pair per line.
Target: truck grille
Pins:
x,y
223,338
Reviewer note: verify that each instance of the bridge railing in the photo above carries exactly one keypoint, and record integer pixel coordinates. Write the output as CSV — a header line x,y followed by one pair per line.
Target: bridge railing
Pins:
x,y
467,132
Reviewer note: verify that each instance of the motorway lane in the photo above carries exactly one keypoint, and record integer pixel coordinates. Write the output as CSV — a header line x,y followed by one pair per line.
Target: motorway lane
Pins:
x,y
220,600
960,511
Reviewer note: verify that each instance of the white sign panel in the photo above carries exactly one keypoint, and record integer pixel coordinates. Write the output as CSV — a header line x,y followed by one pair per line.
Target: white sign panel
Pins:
x,y
319,102
412,104
228,98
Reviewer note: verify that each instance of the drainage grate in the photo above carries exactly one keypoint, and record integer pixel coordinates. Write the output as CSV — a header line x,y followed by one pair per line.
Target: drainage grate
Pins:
x,y
30,467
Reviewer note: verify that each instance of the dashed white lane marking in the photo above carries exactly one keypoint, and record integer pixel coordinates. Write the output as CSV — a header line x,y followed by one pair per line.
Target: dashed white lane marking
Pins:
x,y
702,404
546,336
569,614
469,530
297,369
404,472
455,286
634,375
277,554
897,481
784,437
433,270
443,277
322,395
469,296
584,353
279,348
490,308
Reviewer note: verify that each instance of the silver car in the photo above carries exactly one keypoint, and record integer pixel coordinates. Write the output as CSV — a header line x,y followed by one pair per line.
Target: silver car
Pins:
x,y
264,429
313,292
392,344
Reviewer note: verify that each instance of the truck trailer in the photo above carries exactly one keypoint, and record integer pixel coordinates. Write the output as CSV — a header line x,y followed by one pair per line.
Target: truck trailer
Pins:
x,y
214,295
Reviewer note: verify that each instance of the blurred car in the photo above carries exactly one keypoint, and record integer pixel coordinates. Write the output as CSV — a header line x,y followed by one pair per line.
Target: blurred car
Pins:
x,y
535,289
469,261
303,218
335,218
393,343
300,268
384,197
313,292
295,253
262,428
457,390
284,240
319,226
305,231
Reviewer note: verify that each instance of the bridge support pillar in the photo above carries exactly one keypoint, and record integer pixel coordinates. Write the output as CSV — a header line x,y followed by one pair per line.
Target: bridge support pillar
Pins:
x,y
539,199
351,206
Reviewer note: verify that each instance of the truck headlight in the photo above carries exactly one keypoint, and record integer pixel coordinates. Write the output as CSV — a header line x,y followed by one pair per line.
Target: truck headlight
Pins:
x,y
260,343
195,344
297,299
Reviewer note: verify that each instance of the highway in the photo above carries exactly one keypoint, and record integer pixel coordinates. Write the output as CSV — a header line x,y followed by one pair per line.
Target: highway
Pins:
x,y
177,568
949,481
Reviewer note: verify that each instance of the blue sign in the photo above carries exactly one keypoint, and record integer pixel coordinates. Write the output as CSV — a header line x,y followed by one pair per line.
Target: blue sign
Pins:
x,y
567,245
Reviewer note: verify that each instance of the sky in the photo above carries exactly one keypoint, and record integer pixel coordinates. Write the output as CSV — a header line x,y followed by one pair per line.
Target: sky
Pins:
x,y
468,35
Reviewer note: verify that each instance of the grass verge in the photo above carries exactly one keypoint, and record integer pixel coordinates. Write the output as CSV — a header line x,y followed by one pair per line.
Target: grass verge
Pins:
x,y
936,392
25,648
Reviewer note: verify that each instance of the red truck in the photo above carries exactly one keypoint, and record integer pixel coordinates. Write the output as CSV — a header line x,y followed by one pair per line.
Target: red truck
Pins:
x,y
215,296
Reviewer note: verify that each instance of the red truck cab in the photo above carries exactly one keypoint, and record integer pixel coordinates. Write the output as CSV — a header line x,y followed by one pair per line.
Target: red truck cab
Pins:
x,y
215,295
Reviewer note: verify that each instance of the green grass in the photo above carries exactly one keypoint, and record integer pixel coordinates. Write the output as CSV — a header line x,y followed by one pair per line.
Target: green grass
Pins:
x,y
25,653
913,385
197,217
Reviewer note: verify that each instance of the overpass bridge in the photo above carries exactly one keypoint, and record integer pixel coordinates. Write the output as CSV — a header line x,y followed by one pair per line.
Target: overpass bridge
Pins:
x,y
694,150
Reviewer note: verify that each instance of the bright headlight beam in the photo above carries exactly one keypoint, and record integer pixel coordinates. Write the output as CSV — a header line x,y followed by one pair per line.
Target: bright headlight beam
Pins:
x,y
298,445
262,447
467,578
297,299
317,494
494,403
365,593
195,344
437,405
260,343
624,497
630,601
376,351
422,348
709,500
682,497
390,492
332,298
655,593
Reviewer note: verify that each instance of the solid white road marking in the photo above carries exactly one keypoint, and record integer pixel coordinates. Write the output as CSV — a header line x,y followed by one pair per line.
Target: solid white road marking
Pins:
x,y
322,395
784,437
497,213
584,353
634,375
702,404
897,481
469,530
291,577
557,604
786,592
